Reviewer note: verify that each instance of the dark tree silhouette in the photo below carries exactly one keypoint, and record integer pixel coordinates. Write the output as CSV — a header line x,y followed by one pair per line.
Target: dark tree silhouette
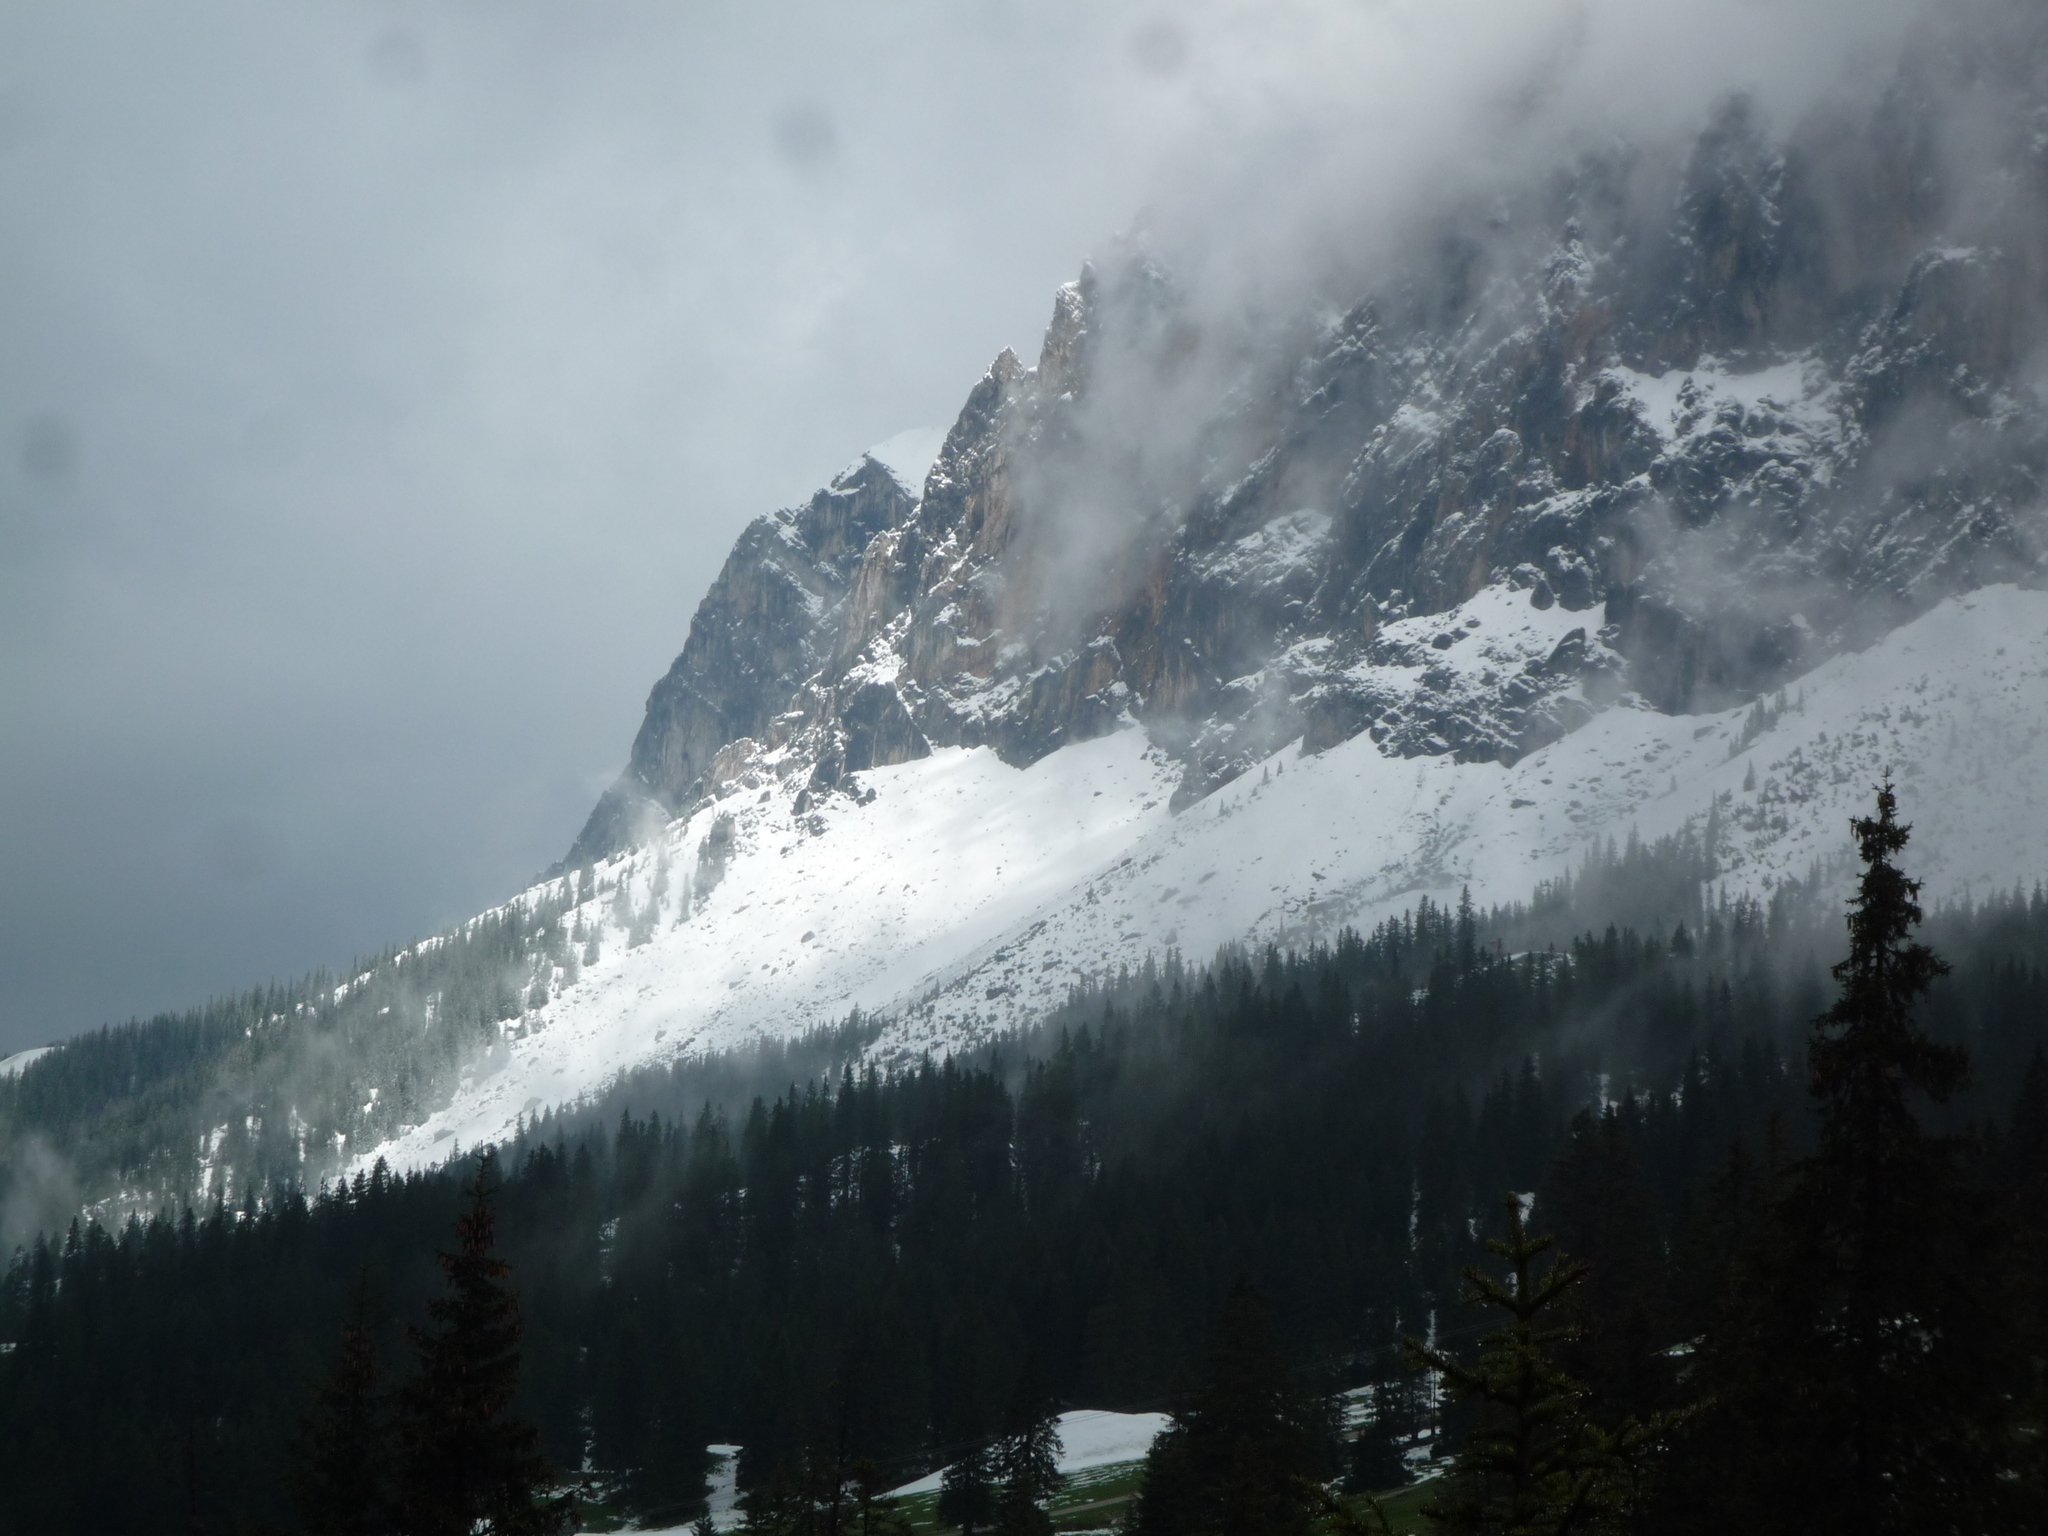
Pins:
x,y
967,1499
1534,1463
1864,1375
467,1465
1240,1458
341,1481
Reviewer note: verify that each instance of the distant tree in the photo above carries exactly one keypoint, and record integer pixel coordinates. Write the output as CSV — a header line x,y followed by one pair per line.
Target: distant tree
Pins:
x,y
1239,1458
341,1480
873,1516
2027,1270
467,1465
1376,1462
1603,1213
967,1497
1026,1460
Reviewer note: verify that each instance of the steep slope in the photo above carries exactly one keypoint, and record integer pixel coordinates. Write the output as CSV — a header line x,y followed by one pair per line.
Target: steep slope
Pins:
x,y
1740,404
962,896
1475,557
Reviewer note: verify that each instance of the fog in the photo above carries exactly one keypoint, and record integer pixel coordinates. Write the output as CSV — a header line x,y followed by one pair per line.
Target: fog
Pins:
x,y
381,385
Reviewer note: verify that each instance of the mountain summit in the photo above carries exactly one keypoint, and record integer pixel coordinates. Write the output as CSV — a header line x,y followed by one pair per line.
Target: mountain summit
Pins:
x,y
1736,409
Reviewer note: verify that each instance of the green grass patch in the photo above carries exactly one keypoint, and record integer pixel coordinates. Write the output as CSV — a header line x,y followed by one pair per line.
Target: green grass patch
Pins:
x,y
1086,1501
1403,1507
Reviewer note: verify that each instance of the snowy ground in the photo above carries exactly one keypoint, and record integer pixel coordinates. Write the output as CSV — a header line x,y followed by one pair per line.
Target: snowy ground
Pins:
x,y
965,896
1089,1438
11,1066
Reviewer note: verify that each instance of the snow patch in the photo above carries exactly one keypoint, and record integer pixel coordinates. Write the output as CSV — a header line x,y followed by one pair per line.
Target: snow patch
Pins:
x,y
20,1061
1685,402
1089,1438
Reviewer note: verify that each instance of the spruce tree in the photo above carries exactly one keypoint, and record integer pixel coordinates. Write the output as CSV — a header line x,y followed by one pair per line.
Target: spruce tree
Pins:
x,y
966,1496
341,1480
1240,1457
2026,1159
1872,1370
1603,1213
1376,1463
468,1465
1534,1463
1026,1459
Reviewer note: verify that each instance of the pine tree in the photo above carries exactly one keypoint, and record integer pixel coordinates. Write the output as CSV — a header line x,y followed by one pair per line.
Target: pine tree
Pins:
x,y
468,1466
1240,1458
341,1482
966,1496
1027,1459
1604,1213
1533,1463
1873,1368
2026,1158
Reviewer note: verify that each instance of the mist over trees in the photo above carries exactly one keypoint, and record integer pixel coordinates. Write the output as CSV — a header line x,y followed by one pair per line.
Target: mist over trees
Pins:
x,y
862,1269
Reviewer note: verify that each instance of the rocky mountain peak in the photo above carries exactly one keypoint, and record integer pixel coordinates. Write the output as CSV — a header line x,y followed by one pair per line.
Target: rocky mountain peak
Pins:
x,y
1740,406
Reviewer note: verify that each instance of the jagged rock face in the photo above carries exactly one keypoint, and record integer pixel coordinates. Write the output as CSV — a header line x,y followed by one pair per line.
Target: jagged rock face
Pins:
x,y
769,622
1741,414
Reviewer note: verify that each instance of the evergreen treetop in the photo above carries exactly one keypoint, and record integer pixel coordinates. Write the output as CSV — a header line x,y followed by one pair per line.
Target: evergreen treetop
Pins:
x,y
1534,1462
468,1466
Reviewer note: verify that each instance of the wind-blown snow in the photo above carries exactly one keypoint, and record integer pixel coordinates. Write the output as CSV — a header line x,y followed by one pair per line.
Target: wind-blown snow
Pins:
x,y
909,456
1089,1437
962,896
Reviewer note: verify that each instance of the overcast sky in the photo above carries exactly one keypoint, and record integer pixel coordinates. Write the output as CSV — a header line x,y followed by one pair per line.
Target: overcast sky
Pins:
x,y
382,385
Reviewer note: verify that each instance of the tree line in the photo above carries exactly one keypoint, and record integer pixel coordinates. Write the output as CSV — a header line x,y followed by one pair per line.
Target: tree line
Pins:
x,y
888,1269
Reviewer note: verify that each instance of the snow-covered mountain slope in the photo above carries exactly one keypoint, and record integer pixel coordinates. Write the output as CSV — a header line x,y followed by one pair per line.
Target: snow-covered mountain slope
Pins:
x,y
1194,632
963,896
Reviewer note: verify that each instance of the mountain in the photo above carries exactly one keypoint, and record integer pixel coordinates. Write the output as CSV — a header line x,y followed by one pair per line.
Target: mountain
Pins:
x,y
1742,408
1670,496
1683,489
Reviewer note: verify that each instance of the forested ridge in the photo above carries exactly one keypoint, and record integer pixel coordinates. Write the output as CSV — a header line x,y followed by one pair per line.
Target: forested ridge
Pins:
x,y
872,1261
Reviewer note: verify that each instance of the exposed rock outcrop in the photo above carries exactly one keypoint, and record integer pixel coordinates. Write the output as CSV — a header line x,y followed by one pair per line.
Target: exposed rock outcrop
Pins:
x,y
1739,414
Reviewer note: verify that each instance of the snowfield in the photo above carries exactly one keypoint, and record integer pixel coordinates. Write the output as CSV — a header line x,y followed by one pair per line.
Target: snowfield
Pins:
x,y
960,896
19,1062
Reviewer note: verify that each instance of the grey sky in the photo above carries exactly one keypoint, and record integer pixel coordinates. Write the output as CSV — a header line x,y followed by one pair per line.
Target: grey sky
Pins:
x,y
381,385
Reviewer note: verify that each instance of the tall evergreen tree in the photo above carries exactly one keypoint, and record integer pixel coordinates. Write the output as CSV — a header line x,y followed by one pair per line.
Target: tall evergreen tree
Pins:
x,y
341,1482
2027,1178
1603,1213
1534,1463
967,1498
1027,1458
1870,1367
1241,1457
468,1465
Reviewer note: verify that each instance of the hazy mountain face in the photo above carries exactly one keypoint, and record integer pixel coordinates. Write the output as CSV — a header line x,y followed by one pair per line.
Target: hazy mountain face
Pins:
x,y
1743,396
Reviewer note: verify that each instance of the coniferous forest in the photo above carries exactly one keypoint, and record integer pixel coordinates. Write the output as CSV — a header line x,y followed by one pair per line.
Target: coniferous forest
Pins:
x,y
1782,1220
